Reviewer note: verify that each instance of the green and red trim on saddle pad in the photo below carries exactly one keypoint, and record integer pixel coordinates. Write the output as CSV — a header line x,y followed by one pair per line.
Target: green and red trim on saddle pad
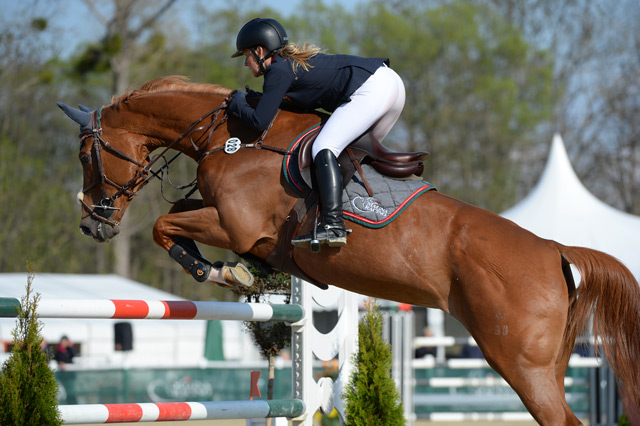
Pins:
x,y
390,198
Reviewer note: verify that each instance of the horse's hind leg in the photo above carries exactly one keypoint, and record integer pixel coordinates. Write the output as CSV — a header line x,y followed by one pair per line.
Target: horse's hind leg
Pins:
x,y
534,365
521,333
545,400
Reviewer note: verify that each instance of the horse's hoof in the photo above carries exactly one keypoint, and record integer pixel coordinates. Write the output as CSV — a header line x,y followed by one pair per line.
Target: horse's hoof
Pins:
x,y
237,274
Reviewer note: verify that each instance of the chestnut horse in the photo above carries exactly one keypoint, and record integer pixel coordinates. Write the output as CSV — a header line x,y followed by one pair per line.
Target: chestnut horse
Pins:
x,y
512,290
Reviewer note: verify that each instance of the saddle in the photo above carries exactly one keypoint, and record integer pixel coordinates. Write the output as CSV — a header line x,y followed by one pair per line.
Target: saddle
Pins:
x,y
364,150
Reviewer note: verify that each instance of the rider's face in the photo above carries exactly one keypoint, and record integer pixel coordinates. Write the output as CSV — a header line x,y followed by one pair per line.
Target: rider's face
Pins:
x,y
251,62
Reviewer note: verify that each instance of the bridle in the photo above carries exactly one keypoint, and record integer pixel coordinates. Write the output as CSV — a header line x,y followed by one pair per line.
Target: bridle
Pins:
x,y
143,174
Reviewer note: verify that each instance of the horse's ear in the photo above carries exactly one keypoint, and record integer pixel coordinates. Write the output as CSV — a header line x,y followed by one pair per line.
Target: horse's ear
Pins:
x,y
83,118
84,108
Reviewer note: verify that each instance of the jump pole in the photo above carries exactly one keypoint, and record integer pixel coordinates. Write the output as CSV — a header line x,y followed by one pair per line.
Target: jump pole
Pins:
x,y
179,411
156,309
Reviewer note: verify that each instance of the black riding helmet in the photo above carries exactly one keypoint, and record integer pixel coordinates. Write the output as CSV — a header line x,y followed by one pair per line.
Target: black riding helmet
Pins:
x,y
261,32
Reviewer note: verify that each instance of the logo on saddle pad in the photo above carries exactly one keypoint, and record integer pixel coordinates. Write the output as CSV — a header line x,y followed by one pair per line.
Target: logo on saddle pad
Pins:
x,y
368,204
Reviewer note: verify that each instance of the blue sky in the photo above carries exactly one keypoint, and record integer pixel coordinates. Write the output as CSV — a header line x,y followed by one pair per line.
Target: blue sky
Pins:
x,y
75,23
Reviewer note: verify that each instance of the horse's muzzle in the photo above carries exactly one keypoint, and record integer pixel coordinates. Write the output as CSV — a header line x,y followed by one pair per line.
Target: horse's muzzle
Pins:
x,y
100,231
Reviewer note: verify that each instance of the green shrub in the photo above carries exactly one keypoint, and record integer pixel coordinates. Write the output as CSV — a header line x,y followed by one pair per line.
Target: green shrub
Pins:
x,y
28,390
371,397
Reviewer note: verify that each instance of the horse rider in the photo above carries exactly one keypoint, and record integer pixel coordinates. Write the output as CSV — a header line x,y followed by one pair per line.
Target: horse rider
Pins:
x,y
363,94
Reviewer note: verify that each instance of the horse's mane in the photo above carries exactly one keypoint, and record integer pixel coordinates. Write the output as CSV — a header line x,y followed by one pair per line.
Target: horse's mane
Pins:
x,y
173,83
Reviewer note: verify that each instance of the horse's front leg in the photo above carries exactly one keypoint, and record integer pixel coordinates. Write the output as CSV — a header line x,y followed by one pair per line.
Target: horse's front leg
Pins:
x,y
189,221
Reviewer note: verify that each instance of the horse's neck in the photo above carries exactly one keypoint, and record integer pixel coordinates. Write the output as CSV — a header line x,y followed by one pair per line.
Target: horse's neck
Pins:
x,y
172,121
183,110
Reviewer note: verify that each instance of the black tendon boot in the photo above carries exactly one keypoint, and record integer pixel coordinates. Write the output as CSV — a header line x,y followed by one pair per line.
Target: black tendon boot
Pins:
x,y
331,230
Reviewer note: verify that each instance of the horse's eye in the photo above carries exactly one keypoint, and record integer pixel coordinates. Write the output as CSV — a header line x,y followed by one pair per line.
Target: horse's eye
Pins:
x,y
85,159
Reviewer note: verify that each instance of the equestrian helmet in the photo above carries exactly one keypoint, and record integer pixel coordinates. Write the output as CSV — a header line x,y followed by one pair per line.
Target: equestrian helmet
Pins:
x,y
265,32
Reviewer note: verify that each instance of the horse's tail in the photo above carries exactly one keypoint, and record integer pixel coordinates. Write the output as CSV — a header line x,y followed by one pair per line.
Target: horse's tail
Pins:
x,y
609,292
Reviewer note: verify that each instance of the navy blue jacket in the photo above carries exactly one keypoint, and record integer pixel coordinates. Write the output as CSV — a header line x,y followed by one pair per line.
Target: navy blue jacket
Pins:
x,y
327,85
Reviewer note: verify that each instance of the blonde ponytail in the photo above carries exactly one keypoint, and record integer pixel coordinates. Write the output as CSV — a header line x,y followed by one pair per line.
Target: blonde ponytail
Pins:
x,y
300,55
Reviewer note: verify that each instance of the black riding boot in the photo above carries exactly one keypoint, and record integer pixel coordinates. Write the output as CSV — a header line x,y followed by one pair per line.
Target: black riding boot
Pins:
x,y
331,230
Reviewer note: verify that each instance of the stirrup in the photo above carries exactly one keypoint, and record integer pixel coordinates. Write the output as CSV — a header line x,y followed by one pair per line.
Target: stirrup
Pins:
x,y
309,240
322,235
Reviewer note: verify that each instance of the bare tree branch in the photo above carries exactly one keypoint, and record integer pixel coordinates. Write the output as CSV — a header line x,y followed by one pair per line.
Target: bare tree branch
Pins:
x,y
94,10
153,18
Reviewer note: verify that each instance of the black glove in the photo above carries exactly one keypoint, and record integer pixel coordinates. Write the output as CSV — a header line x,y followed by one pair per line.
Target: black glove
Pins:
x,y
238,102
252,94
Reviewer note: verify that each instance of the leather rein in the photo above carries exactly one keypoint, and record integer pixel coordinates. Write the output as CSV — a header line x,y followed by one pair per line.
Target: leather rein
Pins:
x,y
144,174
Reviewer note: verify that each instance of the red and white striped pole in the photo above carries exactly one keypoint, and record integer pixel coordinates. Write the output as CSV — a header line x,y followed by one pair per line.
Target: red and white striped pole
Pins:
x,y
177,411
156,309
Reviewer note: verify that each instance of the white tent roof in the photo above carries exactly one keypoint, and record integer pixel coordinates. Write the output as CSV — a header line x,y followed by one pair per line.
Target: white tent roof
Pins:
x,y
560,208
72,286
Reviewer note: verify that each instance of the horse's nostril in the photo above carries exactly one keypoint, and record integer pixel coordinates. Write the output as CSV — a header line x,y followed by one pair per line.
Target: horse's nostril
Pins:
x,y
85,230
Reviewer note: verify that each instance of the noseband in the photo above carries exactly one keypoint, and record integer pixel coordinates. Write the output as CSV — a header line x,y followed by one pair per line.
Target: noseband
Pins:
x,y
143,174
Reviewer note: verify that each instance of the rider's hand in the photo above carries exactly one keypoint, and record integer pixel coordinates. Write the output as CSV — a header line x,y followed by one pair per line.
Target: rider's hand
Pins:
x,y
238,101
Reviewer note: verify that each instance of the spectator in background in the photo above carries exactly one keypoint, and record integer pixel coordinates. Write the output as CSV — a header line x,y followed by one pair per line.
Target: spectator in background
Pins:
x,y
471,351
65,352
48,350
423,351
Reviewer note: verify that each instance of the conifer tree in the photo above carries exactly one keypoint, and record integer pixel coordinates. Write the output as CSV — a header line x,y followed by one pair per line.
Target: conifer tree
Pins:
x,y
28,390
371,397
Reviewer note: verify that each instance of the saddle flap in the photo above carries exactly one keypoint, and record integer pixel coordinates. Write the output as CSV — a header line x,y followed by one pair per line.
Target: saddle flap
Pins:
x,y
305,159
306,143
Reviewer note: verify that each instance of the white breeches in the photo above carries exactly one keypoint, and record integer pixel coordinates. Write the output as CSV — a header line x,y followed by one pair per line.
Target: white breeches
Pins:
x,y
376,105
